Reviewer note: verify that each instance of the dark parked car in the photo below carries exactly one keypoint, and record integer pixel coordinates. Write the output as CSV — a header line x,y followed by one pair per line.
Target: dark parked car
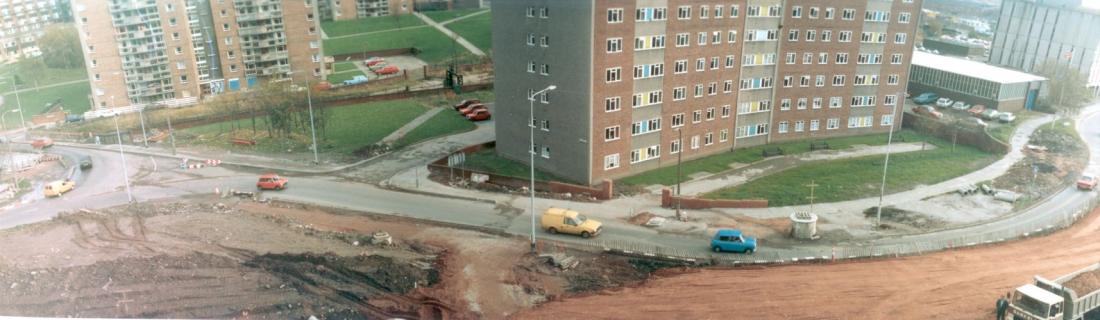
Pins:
x,y
926,98
85,162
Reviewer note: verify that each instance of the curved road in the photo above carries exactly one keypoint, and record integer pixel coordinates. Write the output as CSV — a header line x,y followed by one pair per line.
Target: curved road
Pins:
x,y
103,187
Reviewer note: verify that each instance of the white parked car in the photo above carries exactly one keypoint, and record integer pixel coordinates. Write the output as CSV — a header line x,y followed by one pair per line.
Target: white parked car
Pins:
x,y
944,102
961,106
1006,117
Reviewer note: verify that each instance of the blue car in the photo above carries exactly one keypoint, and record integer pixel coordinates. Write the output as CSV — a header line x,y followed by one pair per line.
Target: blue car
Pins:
x,y
731,240
926,98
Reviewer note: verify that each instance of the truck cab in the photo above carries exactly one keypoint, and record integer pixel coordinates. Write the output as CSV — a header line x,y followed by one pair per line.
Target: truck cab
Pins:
x,y
1030,302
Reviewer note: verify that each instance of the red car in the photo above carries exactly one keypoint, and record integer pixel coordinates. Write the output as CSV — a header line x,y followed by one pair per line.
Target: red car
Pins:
x,y
466,102
475,108
373,61
928,110
480,115
976,110
1086,182
388,70
472,108
42,143
271,181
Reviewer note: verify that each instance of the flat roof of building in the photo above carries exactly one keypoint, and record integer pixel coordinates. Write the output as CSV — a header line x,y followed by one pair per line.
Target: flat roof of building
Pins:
x,y
972,69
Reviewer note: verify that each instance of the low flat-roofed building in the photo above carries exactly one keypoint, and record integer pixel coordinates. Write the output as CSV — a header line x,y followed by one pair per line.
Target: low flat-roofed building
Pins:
x,y
974,82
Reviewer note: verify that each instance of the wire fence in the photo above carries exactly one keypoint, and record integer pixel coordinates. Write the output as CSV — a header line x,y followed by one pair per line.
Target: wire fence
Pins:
x,y
1049,223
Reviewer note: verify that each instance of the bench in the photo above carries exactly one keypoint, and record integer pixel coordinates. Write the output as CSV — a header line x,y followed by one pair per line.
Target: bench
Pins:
x,y
819,145
772,151
242,142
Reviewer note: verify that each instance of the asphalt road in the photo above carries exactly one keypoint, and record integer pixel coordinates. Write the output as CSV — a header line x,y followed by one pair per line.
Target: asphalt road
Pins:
x,y
103,187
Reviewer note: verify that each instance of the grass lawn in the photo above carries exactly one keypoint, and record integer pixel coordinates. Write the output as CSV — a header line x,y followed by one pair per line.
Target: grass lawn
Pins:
x,y
1005,131
349,128
440,16
337,78
477,30
33,76
446,122
487,160
371,24
74,96
849,179
720,162
344,66
434,45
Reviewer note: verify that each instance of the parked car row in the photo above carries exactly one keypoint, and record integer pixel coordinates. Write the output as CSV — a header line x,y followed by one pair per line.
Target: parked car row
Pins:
x,y
473,110
927,99
379,66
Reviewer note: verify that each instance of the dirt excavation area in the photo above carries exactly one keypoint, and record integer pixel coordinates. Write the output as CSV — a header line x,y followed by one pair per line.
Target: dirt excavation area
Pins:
x,y
230,259
959,284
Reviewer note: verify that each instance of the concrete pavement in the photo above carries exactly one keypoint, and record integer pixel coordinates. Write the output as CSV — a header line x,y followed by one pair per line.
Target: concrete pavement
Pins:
x,y
403,130
451,34
508,211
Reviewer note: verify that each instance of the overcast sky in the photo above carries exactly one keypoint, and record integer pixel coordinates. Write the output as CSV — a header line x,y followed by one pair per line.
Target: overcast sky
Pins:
x,y
1091,3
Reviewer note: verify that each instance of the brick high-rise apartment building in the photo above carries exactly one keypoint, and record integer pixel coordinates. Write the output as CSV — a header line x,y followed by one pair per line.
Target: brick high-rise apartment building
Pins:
x,y
632,75
141,52
22,23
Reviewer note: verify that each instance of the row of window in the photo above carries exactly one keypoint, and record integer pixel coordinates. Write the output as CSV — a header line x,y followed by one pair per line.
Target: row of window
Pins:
x,y
841,58
811,35
839,80
613,104
612,161
835,102
617,15
833,123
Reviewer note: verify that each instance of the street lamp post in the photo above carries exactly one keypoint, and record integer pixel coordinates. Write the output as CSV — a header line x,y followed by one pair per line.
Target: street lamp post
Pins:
x,y
18,104
144,136
531,125
11,155
312,128
886,163
125,176
679,168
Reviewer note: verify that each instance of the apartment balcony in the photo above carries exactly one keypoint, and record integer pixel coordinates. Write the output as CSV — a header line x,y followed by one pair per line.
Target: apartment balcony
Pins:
x,y
145,63
260,15
275,70
131,20
270,56
258,30
140,49
123,6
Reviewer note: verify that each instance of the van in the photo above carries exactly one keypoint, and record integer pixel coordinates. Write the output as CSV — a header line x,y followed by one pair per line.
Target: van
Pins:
x,y
57,188
556,220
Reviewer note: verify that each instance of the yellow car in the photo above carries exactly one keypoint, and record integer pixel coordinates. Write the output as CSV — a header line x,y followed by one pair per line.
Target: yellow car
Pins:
x,y
56,188
556,220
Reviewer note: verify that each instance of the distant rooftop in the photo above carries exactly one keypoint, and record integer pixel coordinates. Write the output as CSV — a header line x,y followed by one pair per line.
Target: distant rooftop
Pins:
x,y
972,68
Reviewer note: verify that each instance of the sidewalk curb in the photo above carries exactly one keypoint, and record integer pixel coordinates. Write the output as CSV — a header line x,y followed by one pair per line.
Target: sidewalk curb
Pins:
x,y
440,195
229,163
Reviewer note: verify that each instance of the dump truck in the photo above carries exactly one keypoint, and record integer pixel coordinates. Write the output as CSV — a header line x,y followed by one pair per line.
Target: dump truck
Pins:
x,y
1068,297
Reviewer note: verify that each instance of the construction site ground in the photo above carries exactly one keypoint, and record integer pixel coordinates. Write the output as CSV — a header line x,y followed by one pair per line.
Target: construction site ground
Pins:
x,y
240,258
956,284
